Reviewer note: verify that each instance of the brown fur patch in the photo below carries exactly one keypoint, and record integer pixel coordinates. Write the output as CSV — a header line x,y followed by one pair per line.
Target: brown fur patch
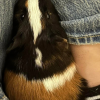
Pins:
x,y
18,88
26,4
43,24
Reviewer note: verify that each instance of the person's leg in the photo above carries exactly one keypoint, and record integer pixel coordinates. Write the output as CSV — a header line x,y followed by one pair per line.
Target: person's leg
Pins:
x,y
87,58
6,24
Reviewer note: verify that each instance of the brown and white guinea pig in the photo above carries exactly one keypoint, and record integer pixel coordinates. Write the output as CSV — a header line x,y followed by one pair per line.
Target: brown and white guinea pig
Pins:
x,y
39,64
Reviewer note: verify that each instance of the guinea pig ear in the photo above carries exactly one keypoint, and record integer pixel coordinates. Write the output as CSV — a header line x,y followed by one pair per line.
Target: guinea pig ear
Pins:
x,y
61,42
59,39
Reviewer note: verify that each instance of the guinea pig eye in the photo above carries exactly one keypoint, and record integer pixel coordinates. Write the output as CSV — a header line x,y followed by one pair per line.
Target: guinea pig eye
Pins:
x,y
22,17
48,16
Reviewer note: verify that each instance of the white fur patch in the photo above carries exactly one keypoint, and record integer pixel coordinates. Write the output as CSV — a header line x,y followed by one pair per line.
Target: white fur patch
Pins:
x,y
35,17
23,76
59,80
38,60
56,81
94,98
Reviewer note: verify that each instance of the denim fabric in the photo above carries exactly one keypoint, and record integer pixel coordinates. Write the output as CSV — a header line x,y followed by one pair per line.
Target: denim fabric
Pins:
x,y
2,95
80,19
6,15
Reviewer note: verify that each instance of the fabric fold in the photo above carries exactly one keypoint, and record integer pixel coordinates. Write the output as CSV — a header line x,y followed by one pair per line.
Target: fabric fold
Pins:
x,y
83,31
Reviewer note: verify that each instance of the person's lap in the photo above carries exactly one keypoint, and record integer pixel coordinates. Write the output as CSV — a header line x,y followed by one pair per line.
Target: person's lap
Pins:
x,y
81,20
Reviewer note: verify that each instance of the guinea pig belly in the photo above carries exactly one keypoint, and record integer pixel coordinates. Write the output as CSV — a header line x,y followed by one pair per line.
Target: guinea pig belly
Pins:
x,y
64,86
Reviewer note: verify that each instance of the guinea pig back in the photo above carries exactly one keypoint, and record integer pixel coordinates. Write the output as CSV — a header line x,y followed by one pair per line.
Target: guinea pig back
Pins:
x,y
39,64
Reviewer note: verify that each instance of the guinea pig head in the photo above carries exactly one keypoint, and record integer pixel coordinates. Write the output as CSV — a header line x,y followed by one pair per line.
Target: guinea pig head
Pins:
x,y
39,48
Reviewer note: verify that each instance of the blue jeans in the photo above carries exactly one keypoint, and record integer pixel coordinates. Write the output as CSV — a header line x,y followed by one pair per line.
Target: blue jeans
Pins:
x,y
6,20
80,19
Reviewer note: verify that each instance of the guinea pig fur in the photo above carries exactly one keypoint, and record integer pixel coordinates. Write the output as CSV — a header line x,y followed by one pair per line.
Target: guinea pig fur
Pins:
x,y
39,64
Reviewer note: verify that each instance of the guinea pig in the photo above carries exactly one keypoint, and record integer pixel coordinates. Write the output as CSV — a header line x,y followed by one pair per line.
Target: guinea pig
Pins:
x,y
39,64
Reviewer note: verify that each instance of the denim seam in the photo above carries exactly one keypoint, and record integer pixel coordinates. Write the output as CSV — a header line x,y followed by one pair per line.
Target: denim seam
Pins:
x,y
83,36
84,40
